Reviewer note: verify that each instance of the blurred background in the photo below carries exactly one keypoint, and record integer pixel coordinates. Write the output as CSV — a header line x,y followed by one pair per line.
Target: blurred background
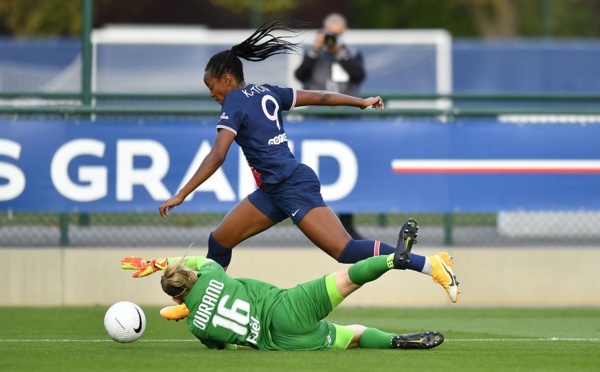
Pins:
x,y
489,138
462,18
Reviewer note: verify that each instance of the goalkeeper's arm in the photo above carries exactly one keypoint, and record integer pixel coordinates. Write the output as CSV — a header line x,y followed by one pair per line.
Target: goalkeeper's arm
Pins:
x,y
193,262
145,266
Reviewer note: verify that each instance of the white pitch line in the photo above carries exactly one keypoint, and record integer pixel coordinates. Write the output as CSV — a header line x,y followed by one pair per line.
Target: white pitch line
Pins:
x,y
521,339
447,340
107,340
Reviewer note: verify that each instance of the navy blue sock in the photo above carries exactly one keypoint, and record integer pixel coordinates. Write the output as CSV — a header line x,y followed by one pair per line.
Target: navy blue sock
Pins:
x,y
218,253
357,250
416,262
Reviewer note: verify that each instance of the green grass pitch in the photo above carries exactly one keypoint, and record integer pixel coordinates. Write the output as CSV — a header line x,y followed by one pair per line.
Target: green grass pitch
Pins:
x,y
73,339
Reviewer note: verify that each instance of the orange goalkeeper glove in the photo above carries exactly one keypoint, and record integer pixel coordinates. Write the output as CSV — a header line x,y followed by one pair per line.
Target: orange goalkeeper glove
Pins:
x,y
143,265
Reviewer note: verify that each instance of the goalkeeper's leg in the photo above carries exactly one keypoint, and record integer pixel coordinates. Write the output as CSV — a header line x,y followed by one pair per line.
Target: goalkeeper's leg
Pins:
x,y
355,335
344,282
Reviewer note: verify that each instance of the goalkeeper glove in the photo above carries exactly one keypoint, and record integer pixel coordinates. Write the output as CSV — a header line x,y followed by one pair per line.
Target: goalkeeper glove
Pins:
x,y
143,265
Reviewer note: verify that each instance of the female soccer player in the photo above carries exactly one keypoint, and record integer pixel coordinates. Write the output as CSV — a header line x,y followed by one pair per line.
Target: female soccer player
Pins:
x,y
224,312
251,116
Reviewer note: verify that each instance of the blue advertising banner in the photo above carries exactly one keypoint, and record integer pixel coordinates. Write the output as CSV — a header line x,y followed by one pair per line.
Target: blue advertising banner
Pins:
x,y
364,166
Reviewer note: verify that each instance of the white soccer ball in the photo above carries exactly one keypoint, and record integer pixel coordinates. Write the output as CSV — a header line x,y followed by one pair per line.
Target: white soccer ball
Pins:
x,y
125,322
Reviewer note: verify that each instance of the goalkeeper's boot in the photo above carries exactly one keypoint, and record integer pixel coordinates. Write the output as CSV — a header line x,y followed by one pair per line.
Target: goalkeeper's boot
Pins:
x,y
175,312
425,340
406,239
442,273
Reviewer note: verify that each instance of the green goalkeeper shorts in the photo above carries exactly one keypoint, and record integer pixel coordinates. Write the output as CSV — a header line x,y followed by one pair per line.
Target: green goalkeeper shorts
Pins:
x,y
297,320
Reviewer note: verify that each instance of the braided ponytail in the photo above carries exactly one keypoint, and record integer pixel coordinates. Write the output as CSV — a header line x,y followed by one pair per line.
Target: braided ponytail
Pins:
x,y
261,45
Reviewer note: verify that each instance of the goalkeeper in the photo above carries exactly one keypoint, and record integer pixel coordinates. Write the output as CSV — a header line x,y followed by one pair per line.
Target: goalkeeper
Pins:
x,y
225,312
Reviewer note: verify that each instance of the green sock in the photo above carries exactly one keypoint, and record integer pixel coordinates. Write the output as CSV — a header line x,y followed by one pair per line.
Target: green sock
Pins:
x,y
372,338
370,269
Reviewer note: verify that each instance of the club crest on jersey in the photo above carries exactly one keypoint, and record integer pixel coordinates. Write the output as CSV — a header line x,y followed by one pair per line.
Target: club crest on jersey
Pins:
x,y
278,139
223,117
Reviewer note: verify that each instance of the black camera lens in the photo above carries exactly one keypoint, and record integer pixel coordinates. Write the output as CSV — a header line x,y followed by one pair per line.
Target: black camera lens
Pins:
x,y
330,39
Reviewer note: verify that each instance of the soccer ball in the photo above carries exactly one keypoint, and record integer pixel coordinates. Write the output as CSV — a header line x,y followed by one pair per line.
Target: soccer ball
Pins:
x,y
125,322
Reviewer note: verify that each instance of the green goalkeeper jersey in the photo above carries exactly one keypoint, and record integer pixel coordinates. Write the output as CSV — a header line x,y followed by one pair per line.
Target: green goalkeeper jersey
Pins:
x,y
232,311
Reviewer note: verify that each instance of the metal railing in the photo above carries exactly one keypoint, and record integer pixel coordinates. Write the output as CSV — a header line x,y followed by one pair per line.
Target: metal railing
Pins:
x,y
386,96
454,111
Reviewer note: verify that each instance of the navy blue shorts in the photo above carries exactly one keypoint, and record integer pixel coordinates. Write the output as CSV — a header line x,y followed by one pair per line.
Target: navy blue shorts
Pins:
x,y
292,197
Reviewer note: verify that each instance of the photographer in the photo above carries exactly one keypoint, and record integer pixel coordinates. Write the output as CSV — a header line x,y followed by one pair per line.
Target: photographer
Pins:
x,y
334,66
331,64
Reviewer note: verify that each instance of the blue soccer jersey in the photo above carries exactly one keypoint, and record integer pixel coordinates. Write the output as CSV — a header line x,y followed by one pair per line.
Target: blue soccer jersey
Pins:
x,y
253,113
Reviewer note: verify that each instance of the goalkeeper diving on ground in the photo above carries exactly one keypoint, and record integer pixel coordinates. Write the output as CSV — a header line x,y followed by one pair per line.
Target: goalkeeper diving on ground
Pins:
x,y
223,312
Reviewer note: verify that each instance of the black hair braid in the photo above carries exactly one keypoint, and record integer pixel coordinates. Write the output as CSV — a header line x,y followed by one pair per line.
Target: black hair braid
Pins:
x,y
261,45
253,50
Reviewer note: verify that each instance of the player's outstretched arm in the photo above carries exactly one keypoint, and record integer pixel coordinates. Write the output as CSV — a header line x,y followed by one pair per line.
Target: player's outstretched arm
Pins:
x,y
322,98
209,165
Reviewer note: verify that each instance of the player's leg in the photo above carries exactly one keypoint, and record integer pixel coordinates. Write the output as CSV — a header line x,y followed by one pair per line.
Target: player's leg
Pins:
x,y
241,223
373,338
252,215
324,229
440,266
299,196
